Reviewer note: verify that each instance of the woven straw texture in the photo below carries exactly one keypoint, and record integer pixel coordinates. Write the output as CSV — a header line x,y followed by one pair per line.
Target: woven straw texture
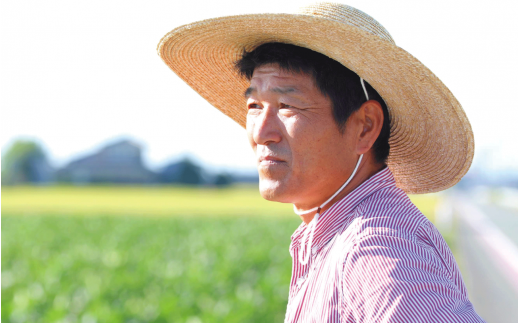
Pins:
x,y
431,142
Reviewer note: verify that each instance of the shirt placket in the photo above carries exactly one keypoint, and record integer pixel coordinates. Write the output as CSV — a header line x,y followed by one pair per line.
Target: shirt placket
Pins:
x,y
309,268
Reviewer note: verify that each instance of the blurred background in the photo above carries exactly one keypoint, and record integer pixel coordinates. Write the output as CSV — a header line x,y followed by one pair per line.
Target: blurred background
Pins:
x,y
127,198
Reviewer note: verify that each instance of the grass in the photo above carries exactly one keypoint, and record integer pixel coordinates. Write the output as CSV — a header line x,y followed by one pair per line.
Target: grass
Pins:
x,y
146,254
139,200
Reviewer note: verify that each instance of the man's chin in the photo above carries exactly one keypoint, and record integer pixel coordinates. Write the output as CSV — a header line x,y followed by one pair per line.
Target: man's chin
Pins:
x,y
272,190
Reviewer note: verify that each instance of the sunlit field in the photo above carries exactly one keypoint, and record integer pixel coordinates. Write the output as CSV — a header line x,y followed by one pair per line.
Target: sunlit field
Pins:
x,y
146,254
144,201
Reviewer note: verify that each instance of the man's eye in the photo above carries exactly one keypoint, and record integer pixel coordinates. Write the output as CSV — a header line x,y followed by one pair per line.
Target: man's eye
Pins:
x,y
285,106
254,106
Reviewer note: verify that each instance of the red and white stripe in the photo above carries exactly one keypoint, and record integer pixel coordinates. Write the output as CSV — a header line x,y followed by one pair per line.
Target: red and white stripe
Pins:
x,y
376,258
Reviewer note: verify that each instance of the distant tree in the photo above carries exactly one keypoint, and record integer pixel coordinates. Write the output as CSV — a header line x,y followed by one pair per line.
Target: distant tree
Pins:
x,y
25,162
182,172
190,173
223,179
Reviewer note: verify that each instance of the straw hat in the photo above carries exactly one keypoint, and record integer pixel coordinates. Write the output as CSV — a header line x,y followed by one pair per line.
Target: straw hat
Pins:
x,y
431,142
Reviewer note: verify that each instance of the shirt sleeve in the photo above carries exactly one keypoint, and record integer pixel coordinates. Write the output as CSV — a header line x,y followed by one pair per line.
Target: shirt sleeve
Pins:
x,y
390,278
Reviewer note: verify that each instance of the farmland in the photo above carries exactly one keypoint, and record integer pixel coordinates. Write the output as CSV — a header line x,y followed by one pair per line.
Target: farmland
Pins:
x,y
146,254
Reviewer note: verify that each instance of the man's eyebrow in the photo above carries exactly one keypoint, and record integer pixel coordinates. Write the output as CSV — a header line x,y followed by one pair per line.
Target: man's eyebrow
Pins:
x,y
248,92
281,90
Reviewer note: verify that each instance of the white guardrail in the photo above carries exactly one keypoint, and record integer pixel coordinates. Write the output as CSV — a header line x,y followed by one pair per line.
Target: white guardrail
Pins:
x,y
498,246
487,256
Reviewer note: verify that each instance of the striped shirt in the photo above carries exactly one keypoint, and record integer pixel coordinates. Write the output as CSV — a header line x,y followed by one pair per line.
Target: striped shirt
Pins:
x,y
376,258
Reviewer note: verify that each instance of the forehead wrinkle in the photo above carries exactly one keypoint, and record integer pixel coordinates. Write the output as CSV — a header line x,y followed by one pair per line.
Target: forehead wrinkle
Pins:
x,y
279,90
283,90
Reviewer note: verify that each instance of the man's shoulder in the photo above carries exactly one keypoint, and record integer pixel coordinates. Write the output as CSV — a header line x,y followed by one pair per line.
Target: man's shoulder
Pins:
x,y
388,212
387,225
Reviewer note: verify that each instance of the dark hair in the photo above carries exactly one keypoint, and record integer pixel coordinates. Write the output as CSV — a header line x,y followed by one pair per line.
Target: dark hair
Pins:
x,y
341,85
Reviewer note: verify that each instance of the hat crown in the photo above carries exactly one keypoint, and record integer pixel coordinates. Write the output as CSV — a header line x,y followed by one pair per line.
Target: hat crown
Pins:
x,y
347,15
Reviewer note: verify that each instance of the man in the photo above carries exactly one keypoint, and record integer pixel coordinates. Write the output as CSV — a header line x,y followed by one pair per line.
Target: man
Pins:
x,y
334,112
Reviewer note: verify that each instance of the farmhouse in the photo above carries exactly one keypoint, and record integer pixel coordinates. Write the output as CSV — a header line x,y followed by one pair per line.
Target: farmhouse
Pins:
x,y
120,162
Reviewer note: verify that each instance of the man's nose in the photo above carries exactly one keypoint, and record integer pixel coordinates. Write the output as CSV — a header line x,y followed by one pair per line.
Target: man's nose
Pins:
x,y
267,127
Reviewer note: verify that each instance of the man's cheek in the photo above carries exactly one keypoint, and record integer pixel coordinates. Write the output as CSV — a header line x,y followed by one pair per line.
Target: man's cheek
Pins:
x,y
250,129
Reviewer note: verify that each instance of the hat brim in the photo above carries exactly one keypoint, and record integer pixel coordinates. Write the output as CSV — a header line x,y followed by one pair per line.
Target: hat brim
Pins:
x,y
431,141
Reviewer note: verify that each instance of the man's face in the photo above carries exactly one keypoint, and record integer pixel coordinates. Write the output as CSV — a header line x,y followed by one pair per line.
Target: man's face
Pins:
x,y
301,154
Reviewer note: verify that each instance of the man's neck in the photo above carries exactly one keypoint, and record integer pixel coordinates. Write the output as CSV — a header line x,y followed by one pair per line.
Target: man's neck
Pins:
x,y
366,170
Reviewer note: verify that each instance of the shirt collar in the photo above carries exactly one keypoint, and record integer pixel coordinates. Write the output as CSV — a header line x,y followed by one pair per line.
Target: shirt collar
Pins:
x,y
332,220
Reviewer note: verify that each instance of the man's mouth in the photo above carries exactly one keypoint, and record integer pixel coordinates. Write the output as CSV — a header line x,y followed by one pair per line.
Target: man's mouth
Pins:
x,y
270,160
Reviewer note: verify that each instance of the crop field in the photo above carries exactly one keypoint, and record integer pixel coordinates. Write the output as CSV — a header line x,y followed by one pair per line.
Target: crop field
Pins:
x,y
146,254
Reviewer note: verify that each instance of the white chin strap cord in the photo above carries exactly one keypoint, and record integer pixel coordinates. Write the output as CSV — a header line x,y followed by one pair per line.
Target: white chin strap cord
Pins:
x,y
312,225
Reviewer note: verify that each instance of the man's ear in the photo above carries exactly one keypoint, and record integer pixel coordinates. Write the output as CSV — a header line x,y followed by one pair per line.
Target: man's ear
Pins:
x,y
371,117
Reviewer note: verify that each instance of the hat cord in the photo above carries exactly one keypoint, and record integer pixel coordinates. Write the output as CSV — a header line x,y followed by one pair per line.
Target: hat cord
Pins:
x,y
312,225
364,88
314,222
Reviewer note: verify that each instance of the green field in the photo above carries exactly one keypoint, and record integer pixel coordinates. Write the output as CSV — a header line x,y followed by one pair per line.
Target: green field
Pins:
x,y
146,254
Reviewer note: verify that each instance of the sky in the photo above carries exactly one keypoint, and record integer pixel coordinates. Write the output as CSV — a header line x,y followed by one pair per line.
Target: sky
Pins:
x,y
76,74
